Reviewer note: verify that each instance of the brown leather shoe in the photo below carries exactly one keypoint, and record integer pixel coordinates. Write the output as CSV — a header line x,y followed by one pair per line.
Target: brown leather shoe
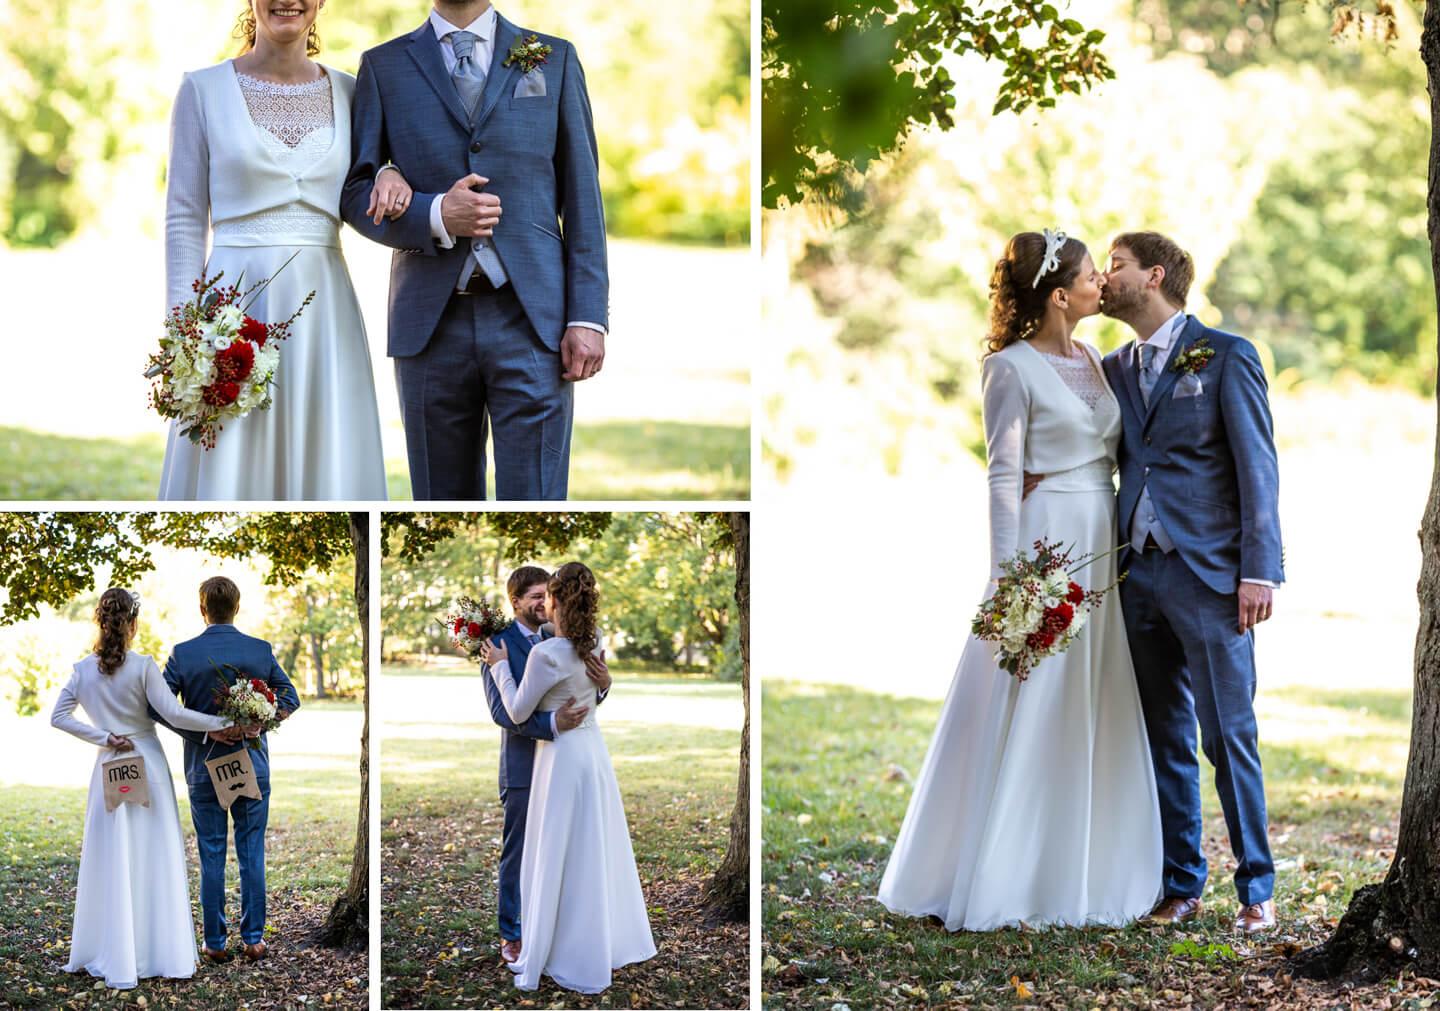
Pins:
x,y
1174,909
1256,917
255,952
215,957
509,950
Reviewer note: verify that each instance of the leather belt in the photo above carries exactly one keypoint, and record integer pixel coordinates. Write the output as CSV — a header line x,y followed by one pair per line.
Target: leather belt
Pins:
x,y
478,284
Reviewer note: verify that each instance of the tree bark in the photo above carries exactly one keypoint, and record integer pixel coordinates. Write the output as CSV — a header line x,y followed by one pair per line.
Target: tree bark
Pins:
x,y
348,925
728,891
1396,924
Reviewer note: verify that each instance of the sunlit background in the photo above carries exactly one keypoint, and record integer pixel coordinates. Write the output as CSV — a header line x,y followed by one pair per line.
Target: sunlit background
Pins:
x,y
1291,166
85,92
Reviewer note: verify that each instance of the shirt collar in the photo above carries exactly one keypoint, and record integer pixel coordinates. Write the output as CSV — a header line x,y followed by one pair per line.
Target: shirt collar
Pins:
x,y
526,630
482,27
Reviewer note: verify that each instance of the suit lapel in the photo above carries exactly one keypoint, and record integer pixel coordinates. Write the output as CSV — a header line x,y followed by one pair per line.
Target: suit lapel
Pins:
x,y
1130,380
425,51
1188,334
499,79
521,646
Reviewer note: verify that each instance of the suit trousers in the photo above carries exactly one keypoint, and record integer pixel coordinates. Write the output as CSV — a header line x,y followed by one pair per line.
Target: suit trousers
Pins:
x,y
1192,664
512,845
212,824
485,367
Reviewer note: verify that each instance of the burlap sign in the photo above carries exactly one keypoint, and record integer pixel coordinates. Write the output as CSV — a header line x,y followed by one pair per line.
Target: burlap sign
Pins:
x,y
233,775
125,782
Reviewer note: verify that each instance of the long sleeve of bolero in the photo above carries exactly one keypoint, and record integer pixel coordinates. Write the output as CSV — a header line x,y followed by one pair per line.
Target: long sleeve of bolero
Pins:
x,y
1005,406
187,194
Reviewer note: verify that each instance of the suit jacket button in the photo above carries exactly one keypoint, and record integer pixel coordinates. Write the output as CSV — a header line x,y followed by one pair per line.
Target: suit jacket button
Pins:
x,y
475,147
1147,440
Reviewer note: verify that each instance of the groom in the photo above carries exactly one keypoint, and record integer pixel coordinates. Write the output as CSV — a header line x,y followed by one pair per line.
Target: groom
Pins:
x,y
191,676
1198,506
526,589
491,322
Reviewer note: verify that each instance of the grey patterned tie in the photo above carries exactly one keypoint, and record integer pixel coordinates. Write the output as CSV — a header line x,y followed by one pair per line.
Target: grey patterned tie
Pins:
x,y
469,79
534,638
1147,370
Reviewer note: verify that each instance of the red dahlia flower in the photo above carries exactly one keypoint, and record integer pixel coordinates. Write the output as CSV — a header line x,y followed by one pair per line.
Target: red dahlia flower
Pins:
x,y
474,629
254,330
1076,594
236,361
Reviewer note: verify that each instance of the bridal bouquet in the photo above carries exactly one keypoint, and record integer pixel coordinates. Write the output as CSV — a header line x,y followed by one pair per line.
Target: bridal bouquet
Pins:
x,y
248,700
471,622
1037,610
215,363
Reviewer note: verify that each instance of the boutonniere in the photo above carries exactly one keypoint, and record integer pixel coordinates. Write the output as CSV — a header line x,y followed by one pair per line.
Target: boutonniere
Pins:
x,y
527,53
1194,358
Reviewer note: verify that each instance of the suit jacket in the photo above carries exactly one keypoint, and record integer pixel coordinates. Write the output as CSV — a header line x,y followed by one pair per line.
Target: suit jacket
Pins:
x,y
537,151
1208,458
517,744
190,675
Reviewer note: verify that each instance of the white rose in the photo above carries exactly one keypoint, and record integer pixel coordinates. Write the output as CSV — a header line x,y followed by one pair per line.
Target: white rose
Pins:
x,y
220,342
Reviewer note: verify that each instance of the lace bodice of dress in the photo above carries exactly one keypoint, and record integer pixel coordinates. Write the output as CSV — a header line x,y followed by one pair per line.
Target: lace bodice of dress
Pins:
x,y
1079,374
296,127
290,113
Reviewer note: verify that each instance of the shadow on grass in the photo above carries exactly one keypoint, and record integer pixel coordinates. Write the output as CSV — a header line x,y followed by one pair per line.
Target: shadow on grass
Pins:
x,y
831,808
440,843
613,460
634,461
308,845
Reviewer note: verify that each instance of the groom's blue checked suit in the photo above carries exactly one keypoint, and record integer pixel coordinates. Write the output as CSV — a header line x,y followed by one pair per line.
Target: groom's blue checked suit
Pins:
x,y
463,360
1203,448
191,676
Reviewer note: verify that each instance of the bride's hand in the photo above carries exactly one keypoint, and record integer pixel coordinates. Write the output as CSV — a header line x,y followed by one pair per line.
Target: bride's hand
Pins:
x,y
117,743
493,652
390,196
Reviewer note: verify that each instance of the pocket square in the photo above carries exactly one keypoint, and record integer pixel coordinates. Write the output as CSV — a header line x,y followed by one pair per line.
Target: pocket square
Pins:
x,y
1188,386
532,85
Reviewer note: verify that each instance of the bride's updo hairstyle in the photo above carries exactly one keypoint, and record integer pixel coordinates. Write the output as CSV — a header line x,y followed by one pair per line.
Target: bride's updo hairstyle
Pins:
x,y
1017,303
114,614
573,589
245,32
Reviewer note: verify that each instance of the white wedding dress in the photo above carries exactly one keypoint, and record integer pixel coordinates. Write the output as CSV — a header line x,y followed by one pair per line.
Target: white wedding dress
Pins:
x,y
261,166
1037,802
582,913
132,898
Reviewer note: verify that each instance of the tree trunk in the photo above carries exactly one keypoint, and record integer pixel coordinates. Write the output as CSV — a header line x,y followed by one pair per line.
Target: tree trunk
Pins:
x,y
1396,924
317,650
348,925
728,892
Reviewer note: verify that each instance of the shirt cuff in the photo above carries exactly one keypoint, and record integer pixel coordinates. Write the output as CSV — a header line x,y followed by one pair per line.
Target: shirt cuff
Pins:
x,y
437,225
554,726
592,326
382,168
1262,582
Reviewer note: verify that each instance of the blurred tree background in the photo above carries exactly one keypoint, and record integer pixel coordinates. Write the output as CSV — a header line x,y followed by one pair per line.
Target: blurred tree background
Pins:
x,y
1291,166
312,626
666,592
85,91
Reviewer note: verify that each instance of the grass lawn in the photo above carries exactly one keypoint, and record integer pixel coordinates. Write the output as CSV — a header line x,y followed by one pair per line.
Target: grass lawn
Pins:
x,y
620,460
1334,765
674,744
309,839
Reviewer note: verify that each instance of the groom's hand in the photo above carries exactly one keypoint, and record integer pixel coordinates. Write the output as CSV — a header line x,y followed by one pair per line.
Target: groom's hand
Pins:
x,y
229,735
582,352
570,715
1030,483
1255,605
467,211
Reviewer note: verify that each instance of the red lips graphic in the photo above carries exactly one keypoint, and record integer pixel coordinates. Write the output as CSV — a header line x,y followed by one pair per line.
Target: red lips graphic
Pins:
x,y
124,789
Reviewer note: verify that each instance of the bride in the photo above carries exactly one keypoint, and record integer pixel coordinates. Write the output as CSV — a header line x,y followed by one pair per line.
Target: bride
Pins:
x,y
259,151
1037,801
582,912
132,900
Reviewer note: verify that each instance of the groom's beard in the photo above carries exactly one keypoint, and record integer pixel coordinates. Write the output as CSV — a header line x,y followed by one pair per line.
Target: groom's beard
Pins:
x,y
1120,303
